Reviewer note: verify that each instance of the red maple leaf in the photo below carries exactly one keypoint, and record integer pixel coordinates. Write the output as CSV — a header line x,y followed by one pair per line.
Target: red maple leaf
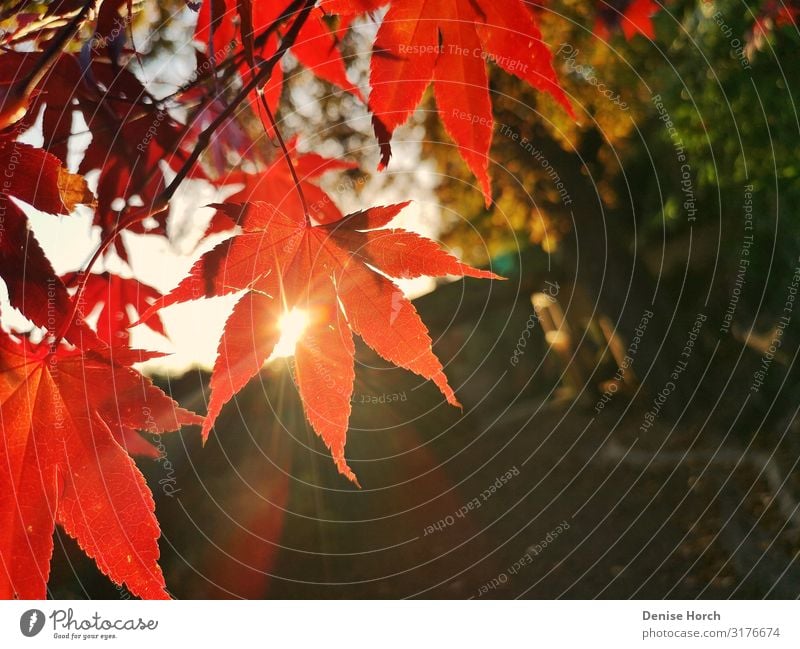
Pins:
x,y
276,185
38,179
131,135
131,138
282,262
52,96
448,43
62,416
116,296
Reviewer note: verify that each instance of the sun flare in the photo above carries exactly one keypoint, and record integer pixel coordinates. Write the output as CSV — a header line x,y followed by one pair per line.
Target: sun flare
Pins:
x,y
291,324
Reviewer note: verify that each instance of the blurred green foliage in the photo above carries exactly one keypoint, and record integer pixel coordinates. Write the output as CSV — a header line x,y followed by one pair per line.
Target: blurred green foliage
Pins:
x,y
729,91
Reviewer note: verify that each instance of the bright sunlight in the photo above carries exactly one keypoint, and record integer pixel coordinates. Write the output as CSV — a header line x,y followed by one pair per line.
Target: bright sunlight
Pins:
x,y
292,324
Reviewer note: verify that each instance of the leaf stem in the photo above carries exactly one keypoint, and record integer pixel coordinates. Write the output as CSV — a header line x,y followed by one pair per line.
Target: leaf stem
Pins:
x,y
298,187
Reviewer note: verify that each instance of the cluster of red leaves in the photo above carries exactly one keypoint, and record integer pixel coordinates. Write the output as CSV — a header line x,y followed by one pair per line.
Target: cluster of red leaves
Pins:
x,y
65,416
72,406
225,25
449,44
68,413
115,298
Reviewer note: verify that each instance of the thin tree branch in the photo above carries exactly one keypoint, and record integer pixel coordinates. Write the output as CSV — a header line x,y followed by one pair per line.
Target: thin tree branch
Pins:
x,y
55,47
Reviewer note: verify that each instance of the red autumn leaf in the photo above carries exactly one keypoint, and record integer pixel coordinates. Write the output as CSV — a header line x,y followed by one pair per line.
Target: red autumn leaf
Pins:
x,y
37,178
33,286
112,26
131,138
317,49
275,185
116,296
448,43
637,19
135,444
54,93
130,135
282,262
631,16
60,462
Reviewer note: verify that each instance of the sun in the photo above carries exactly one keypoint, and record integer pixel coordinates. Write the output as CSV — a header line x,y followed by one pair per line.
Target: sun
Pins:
x,y
291,324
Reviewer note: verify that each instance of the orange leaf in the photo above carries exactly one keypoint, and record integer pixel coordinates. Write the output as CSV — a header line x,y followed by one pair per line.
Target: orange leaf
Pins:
x,y
284,262
448,43
62,414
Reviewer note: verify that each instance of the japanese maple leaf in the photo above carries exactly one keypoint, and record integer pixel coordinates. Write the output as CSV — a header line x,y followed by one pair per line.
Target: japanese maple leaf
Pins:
x,y
116,296
282,262
37,178
276,185
131,135
448,42
131,138
54,94
62,415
